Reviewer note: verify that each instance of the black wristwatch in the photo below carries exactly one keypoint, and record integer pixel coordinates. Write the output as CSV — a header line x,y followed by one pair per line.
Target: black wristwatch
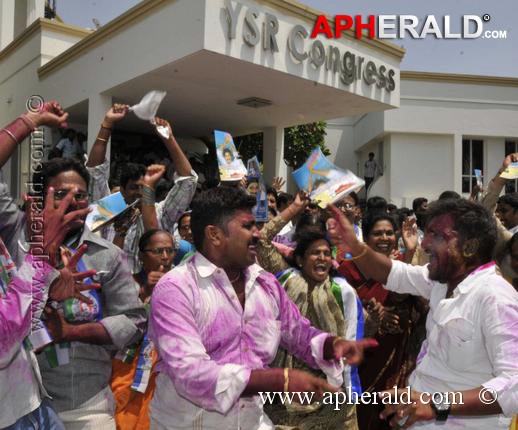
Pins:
x,y
441,405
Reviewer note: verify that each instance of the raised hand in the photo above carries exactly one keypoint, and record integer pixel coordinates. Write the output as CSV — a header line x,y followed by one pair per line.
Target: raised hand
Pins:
x,y
409,234
153,174
340,230
50,114
69,284
159,122
117,112
278,183
57,223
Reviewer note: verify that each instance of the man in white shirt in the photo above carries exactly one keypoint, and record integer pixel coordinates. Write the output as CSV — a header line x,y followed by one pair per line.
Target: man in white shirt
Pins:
x,y
472,327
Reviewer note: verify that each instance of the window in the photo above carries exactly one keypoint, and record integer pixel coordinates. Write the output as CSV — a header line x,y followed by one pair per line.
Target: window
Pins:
x,y
472,158
511,146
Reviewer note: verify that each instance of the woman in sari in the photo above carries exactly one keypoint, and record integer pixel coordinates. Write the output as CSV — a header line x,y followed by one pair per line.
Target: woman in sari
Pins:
x,y
328,302
391,362
133,376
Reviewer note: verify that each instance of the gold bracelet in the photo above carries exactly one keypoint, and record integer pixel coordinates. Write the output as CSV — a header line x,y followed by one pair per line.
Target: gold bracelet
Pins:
x,y
102,140
286,379
106,127
358,256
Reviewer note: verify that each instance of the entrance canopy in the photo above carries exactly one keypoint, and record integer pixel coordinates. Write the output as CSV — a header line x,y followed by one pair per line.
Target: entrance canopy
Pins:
x,y
237,66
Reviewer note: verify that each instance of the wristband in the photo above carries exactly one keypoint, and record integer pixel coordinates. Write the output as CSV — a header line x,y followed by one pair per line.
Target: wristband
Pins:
x,y
148,195
286,379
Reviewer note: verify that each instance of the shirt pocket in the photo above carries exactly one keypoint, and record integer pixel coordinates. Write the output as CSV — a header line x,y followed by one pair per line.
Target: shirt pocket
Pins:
x,y
266,335
461,350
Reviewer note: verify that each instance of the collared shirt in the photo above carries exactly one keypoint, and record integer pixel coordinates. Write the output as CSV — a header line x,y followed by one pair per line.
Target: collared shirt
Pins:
x,y
208,345
168,210
20,379
124,316
472,340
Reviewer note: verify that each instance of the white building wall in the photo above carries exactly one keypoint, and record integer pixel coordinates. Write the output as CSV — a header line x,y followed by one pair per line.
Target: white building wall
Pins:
x,y
420,166
340,141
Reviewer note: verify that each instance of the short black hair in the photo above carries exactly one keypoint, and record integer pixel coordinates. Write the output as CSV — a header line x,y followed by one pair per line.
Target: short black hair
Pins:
x,y
312,221
227,150
391,207
148,235
354,196
214,207
182,216
417,203
306,238
372,217
510,199
284,200
272,191
471,221
371,153
449,195
53,168
131,172
376,203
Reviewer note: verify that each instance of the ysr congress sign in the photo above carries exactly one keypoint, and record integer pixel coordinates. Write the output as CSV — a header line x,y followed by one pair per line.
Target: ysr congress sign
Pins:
x,y
265,31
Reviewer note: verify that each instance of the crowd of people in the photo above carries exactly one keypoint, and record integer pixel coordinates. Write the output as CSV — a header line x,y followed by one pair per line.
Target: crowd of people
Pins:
x,y
183,313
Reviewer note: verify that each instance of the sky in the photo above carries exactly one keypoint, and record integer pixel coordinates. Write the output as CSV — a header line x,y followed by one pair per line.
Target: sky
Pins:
x,y
494,57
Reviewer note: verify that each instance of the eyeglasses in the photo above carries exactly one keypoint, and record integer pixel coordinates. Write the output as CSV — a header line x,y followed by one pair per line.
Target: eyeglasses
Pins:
x,y
61,194
160,251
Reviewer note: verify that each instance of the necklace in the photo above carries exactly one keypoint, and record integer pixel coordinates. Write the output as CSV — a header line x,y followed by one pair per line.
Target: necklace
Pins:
x,y
237,278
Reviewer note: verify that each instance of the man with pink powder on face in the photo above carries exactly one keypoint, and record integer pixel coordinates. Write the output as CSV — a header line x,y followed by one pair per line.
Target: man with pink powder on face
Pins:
x,y
470,354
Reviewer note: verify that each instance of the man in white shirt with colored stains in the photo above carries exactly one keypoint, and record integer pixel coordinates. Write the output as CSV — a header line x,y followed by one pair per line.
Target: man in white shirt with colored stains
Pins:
x,y
471,347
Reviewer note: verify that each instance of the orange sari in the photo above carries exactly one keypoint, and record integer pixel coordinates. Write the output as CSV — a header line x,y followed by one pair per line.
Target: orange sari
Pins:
x,y
132,407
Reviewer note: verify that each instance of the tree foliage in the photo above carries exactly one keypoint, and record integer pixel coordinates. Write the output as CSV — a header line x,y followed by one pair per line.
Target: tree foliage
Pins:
x,y
299,141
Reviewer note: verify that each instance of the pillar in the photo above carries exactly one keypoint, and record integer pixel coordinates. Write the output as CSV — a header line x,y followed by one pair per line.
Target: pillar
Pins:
x,y
98,105
457,163
273,154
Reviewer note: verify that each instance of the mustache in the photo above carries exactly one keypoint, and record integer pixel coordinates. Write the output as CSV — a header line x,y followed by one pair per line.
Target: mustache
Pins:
x,y
254,242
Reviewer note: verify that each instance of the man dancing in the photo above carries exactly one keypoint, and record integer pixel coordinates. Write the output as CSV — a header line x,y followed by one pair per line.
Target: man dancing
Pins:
x,y
217,321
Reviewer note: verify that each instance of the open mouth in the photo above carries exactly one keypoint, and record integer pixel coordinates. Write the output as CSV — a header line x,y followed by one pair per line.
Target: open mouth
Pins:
x,y
321,269
383,247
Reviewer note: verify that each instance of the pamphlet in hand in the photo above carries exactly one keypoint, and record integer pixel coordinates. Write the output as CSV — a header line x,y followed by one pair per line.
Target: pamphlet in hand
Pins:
x,y
253,170
511,172
107,210
231,167
325,182
260,210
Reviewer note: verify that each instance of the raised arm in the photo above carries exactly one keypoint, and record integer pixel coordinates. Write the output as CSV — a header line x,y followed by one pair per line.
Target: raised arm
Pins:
x,y
149,216
97,154
51,114
269,257
179,197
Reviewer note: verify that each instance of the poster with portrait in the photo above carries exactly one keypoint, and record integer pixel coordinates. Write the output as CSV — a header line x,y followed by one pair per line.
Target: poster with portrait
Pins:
x,y
325,182
260,210
107,210
231,167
